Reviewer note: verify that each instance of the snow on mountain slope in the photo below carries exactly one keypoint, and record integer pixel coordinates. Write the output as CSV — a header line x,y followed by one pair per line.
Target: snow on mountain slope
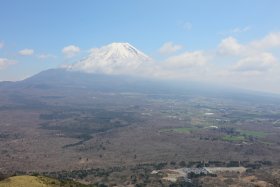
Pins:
x,y
115,58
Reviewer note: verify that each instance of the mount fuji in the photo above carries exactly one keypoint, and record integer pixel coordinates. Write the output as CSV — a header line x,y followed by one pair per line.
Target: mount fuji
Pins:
x,y
115,67
115,58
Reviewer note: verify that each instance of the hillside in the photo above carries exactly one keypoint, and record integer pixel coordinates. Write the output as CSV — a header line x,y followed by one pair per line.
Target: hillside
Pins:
x,y
36,181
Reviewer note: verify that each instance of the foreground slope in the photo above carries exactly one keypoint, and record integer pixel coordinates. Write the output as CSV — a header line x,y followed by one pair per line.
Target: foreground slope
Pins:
x,y
36,181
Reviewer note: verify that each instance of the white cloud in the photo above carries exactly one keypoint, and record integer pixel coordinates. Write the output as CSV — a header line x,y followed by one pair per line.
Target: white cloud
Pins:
x,y
269,41
257,63
26,52
241,30
70,51
188,65
46,56
230,46
169,47
253,65
186,60
5,62
236,31
187,25
2,45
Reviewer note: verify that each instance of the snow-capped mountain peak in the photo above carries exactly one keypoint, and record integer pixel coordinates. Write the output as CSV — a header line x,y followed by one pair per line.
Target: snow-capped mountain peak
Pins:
x,y
114,58
124,50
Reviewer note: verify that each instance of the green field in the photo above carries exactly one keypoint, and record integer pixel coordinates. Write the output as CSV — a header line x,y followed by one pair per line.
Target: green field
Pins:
x,y
233,138
183,130
179,130
257,134
244,134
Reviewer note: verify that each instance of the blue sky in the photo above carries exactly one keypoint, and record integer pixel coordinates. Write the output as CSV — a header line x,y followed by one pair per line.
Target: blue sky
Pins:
x,y
43,28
